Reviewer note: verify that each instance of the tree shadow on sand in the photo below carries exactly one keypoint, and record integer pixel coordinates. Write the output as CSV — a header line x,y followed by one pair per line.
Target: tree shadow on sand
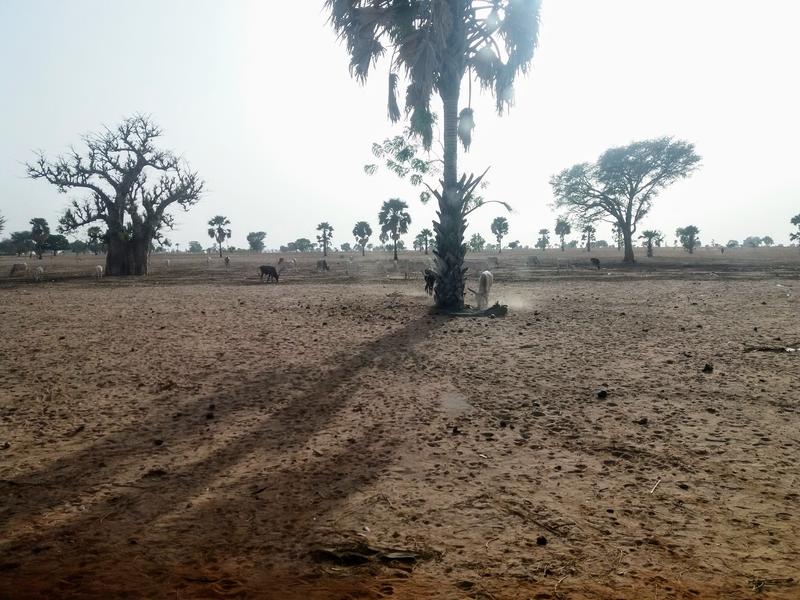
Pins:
x,y
190,514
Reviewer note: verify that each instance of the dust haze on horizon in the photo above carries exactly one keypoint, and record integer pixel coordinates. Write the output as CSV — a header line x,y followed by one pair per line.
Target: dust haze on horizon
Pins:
x,y
258,98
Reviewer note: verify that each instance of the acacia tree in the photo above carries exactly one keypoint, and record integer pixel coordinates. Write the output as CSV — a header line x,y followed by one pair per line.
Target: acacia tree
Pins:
x,y
132,184
621,185
688,237
394,220
587,236
651,236
795,236
219,231
96,241
40,231
500,230
436,43
767,241
563,229
57,243
325,236
476,242
256,240
362,232
544,239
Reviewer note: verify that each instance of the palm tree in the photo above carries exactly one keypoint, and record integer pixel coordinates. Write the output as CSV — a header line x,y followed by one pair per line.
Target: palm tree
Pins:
x,y
324,238
218,230
2,223
500,230
650,236
563,228
795,236
436,44
394,220
425,238
361,232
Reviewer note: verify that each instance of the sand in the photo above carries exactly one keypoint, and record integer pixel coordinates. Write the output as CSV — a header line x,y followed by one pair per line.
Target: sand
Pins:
x,y
199,434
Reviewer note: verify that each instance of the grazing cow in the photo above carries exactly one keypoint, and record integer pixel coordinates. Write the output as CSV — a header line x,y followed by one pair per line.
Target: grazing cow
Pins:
x,y
227,261
484,285
322,265
595,263
532,260
430,281
38,274
269,271
18,268
98,271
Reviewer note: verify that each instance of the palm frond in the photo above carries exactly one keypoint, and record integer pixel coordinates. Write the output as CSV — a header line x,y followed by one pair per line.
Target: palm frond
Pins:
x,y
394,110
466,123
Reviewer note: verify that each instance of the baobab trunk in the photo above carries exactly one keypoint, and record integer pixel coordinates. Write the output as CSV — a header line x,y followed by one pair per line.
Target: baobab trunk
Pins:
x,y
628,240
126,257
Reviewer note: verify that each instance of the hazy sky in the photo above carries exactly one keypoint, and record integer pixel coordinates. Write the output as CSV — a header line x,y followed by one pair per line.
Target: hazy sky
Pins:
x,y
256,95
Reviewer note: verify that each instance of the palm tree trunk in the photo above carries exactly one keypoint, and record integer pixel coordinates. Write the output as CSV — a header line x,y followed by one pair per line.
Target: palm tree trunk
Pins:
x,y
450,248
395,249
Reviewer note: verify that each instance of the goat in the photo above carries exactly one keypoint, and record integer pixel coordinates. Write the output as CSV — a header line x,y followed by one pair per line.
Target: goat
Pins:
x,y
322,265
430,280
18,268
269,271
208,260
227,261
484,285
38,274
98,271
595,263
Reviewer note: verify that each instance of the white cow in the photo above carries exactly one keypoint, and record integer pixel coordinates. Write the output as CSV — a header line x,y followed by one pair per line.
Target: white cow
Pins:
x,y
484,285
18,268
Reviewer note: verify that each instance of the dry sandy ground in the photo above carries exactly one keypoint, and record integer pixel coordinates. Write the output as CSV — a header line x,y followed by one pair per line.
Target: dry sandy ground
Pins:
x,y
210,439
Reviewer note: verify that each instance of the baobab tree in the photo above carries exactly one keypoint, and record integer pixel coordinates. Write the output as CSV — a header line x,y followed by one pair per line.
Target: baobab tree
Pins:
x,y
219,231
688,237
394,220
500,230
437,43
651,236
362,232
424,239
563,229
324,238
255,240
621,186
132,185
